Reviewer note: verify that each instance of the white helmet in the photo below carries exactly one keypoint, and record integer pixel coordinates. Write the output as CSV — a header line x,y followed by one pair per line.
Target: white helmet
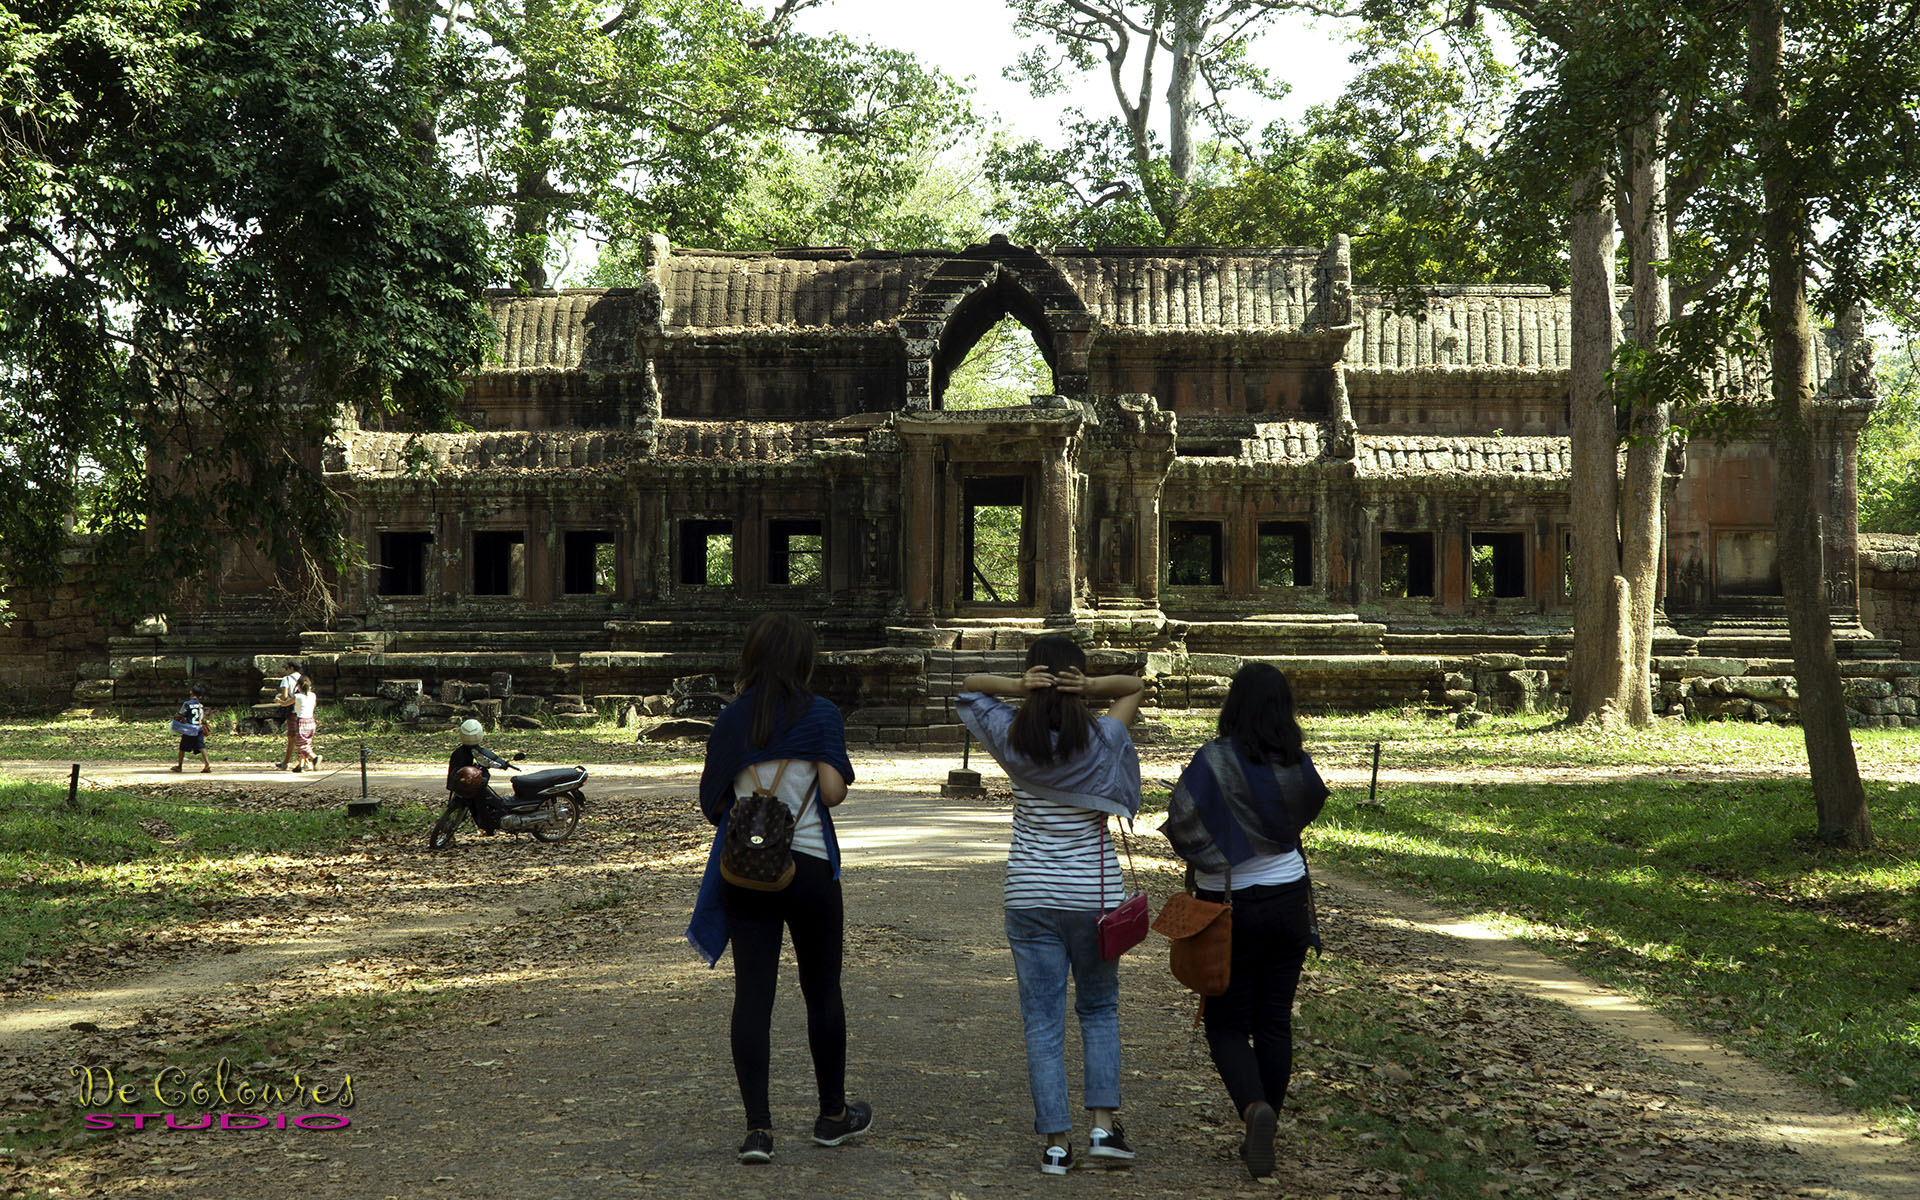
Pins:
x,y
470,731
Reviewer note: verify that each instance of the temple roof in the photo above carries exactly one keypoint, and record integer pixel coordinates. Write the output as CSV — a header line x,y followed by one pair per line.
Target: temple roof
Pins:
x,y
1516,327
1379,456
1512,331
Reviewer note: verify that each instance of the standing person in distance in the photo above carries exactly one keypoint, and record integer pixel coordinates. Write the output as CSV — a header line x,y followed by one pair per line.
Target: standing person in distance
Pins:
x,y
778,720
289,687
1070,772
193,711
304,724
1241,805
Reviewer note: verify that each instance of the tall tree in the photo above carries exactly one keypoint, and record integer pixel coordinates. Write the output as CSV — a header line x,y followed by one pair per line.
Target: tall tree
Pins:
x,y
612,120
1125,162
213,240
1404,163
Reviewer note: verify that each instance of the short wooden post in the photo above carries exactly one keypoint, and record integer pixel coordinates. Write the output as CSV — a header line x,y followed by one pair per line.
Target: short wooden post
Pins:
x,y
1373,785
363,807
73,787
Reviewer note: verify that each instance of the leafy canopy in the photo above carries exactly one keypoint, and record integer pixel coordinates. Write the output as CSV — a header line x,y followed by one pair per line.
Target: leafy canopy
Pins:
x,y
213,241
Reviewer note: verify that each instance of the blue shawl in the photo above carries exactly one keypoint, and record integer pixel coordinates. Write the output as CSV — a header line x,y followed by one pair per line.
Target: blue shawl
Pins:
x,y
818,735
1226,808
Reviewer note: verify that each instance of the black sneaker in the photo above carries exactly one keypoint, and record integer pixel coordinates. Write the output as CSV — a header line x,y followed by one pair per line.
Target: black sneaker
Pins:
x,y
1110,1144
1257,1150
1056,1160
758,1148
831,1131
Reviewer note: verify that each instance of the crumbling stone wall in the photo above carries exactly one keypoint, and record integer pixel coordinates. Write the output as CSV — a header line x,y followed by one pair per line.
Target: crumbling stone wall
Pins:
x,y
49,639
1890,589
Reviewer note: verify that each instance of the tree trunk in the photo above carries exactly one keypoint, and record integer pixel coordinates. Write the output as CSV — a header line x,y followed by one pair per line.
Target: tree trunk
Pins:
x,y
533,189
414,21
1594,486
1642,520
1837,793
1181,79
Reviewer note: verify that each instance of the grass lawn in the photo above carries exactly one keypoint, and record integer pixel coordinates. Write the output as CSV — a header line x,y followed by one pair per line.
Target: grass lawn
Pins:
x,y
1411,740
118,863
101,739
1711,900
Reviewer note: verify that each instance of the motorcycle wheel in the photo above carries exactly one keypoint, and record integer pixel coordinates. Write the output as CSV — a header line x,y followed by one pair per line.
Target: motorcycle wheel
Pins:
x,y
442,835
561,830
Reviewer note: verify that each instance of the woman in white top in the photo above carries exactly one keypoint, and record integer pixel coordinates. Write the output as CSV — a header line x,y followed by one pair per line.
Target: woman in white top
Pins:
x,y
1236,817
305,703
778,730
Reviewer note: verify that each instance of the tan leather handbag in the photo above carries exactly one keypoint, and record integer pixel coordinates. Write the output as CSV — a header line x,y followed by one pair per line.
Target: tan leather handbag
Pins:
x,y
1202,935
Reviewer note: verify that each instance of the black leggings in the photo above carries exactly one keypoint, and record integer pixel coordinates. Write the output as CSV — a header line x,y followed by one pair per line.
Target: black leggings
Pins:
x,y
1269,948
809,906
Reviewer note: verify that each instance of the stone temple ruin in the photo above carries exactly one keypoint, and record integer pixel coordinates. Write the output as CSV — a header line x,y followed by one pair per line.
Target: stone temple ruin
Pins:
x,y
1243,455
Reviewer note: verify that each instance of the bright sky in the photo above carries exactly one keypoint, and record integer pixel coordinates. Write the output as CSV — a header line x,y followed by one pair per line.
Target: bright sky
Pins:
x,y
975,38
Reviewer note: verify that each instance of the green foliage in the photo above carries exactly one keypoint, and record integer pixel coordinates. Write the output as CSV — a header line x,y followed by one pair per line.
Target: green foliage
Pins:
x,y
1743,927
214,238
1004,367
1400,163
1890,448
719,560
1403,163
569,116
996,553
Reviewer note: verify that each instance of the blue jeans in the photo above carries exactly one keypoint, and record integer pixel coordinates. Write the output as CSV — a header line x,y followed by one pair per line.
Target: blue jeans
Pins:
x,y
1047,943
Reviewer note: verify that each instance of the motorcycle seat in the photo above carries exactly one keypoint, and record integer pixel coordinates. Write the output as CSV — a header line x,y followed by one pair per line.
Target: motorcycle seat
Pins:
x,y
553,779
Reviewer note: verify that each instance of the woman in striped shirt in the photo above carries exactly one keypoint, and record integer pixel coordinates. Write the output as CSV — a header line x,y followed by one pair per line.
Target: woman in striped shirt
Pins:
x,y
1070,772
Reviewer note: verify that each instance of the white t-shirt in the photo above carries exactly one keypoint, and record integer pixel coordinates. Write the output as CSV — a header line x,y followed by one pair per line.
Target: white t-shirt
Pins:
x,y
288,683
795,786
1258,870
303,704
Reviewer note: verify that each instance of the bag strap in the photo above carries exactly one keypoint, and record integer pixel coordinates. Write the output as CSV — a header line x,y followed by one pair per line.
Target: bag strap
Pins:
x,y
769,789
1105,840
773,789
1226,897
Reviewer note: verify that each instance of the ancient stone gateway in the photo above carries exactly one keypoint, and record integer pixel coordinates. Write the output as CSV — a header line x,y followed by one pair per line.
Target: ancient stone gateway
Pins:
x,y
1243,454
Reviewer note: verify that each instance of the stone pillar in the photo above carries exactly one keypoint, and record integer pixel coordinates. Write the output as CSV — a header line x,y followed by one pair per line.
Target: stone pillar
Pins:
x,y
1056,548
1147,542
921,545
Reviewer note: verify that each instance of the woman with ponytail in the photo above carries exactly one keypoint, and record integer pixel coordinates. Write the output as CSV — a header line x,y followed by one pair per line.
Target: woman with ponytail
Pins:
x,y
1070,772
778,735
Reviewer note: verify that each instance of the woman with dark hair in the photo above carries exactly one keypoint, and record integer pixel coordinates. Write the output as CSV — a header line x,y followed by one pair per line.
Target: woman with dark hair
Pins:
x,y
1070,772
1236,817
780,736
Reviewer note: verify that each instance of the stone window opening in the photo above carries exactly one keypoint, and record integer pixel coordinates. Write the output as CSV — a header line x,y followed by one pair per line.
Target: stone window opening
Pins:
x,y
1499,565
1286,554
588,563
1406,565
499,563
796,556
1566,564
706,553
995,318
1005,367
995,540
1195,555
403,562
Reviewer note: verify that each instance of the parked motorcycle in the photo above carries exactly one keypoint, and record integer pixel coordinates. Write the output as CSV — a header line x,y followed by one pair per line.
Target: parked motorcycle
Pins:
x,y
546,804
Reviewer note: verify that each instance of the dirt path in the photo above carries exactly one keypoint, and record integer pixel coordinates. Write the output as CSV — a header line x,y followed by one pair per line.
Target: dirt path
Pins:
x,y
584,1049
